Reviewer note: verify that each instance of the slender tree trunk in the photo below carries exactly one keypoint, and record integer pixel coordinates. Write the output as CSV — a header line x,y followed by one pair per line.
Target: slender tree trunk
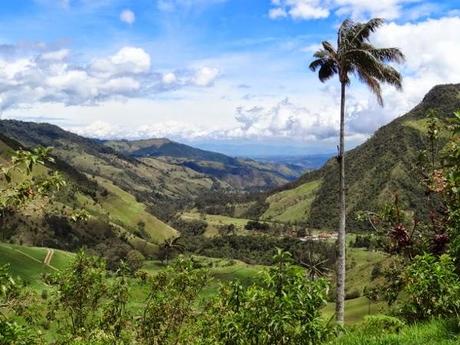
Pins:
x,y
340,294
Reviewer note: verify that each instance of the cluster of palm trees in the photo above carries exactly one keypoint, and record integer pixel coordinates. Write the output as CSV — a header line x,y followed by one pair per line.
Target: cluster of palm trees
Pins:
x,y
354,55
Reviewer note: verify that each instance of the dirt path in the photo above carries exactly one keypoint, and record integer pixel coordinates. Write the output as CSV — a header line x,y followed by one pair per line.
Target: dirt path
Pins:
x,y
34,259
49,257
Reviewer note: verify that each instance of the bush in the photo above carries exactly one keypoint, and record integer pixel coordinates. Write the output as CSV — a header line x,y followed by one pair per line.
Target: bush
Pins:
x,y
255,225
285,308
432,288
355,293
375,324
134,260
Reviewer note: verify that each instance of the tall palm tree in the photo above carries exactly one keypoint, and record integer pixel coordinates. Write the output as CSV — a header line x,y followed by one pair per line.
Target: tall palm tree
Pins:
x,y
355,55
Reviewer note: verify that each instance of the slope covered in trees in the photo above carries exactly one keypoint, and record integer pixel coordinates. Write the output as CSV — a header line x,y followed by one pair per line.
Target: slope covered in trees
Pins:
x,y
382,166
88,211
238,173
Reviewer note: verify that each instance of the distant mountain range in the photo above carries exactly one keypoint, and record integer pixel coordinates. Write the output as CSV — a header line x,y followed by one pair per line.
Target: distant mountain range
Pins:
x,y
309,162
238,173
127,183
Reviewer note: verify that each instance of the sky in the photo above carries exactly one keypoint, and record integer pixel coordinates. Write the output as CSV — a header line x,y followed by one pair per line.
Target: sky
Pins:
x,y
228,75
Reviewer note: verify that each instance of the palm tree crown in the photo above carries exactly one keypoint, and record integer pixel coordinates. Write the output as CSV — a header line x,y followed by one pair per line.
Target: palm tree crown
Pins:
x,y
355,54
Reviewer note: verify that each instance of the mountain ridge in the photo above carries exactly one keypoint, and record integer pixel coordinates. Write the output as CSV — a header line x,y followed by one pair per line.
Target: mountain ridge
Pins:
x,y
383,165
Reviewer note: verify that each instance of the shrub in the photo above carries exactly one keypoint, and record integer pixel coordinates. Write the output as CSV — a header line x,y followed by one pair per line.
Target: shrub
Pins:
x,y
134,260
432,288
355,293
169,308
255,225
284,309
375,324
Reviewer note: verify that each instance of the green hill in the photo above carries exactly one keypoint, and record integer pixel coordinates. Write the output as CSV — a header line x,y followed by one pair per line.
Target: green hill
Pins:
x,y
28,262
163,175
117,218
238,173
383,165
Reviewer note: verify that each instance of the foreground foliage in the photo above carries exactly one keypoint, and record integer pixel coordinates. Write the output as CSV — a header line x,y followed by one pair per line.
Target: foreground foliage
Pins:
x,y
436,332
89,305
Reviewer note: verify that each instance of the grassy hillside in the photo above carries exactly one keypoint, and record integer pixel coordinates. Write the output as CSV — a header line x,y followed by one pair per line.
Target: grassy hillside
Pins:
x,y
126,211
158,184
236,172
117,218
292,205
382,166
27,262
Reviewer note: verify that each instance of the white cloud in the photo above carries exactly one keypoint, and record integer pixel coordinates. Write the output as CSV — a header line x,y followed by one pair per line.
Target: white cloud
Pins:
x,y
432,50
299,9
170,129
126,60
127,16
169,78
284,120
50,76
205,76
277,12
357,9
57,55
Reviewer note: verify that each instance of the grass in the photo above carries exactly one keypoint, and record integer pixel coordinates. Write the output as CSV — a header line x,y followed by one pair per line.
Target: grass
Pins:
x,y
216,221
355,310
360,263
27,262
293,204
123,208
436,332
220,271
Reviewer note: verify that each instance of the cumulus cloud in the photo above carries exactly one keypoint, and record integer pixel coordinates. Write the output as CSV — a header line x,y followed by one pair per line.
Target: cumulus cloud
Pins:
x,y
51,76
358,9
284,120
299,9
126,60
431,48
127,16
425,45
170,129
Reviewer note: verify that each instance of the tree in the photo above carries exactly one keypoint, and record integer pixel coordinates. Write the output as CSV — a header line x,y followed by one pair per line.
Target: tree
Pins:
x,y
284,307
355,55
168,248
21,186
134,260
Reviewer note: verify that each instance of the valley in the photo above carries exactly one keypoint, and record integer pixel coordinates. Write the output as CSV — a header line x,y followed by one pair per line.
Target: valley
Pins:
x,y
154,204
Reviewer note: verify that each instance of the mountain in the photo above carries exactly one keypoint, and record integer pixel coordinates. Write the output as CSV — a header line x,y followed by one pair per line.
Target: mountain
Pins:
x,y
308,162
239,173
161,174
117,219
383,165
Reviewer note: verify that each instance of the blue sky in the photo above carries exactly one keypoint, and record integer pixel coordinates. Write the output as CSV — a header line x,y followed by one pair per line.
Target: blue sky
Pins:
x,y
211,72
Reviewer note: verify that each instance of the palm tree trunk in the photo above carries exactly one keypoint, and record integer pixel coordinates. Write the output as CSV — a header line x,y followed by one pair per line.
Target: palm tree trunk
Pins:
x,y
340,293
